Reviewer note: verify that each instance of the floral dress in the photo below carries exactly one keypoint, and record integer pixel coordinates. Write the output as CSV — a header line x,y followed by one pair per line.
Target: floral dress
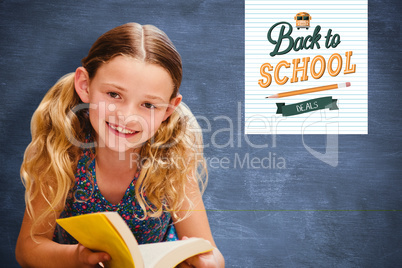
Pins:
x,y
85,197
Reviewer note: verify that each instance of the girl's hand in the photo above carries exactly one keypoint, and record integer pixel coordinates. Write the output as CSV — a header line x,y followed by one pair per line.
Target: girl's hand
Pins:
x,y
88,259
204,260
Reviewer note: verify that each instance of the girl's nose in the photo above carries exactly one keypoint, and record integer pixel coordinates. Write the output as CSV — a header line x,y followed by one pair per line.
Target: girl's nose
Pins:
x,y
130,116
127,110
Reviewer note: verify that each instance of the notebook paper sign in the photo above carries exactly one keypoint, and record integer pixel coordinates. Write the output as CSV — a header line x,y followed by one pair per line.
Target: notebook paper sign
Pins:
x,y
306,67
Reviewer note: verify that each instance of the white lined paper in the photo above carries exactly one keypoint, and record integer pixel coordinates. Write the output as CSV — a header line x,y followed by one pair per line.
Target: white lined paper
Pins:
x,y
346,18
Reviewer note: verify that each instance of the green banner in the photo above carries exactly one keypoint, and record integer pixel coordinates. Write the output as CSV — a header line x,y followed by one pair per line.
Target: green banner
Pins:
x,y
306,106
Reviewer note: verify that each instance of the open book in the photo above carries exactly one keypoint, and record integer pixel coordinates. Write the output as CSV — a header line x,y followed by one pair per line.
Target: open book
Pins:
x,y
108,232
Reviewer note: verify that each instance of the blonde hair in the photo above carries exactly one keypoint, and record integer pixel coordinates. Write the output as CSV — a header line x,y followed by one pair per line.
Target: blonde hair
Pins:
x,y
170,160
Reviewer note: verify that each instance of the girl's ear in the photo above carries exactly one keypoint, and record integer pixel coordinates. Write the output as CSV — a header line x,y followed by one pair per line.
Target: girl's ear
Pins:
x,y
172,106
81,83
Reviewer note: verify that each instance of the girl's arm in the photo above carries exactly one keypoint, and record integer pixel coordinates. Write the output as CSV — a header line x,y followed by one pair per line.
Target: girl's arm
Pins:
x,y
45,253
197,225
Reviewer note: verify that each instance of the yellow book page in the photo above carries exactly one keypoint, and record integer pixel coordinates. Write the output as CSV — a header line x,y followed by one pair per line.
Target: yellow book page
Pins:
x,y
95,232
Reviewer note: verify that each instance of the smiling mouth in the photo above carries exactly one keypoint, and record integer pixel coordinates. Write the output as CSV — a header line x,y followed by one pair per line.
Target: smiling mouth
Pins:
x,y
121,130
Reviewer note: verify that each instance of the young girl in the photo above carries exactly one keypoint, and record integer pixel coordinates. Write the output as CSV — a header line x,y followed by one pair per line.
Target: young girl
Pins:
x,y
114,136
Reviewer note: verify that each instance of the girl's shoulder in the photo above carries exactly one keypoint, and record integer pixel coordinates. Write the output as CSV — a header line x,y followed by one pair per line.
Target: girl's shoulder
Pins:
x,y
87,149
84,157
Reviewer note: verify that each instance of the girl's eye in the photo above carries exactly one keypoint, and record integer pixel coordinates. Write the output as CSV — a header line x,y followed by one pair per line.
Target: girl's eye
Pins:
x,y
114,95
149,105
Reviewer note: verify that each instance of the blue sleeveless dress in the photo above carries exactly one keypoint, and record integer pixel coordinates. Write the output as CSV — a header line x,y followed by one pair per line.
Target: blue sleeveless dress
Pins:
x,y
85,197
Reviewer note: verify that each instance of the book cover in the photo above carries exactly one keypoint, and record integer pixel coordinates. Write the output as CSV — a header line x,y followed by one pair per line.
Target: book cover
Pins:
x,y
108,232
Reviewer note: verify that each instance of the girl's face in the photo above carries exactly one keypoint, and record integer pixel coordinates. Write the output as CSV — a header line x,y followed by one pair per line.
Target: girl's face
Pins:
x,y
129,99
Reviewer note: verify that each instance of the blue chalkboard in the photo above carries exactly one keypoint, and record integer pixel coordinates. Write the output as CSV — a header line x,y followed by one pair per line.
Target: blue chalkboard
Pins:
x,y
270,202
